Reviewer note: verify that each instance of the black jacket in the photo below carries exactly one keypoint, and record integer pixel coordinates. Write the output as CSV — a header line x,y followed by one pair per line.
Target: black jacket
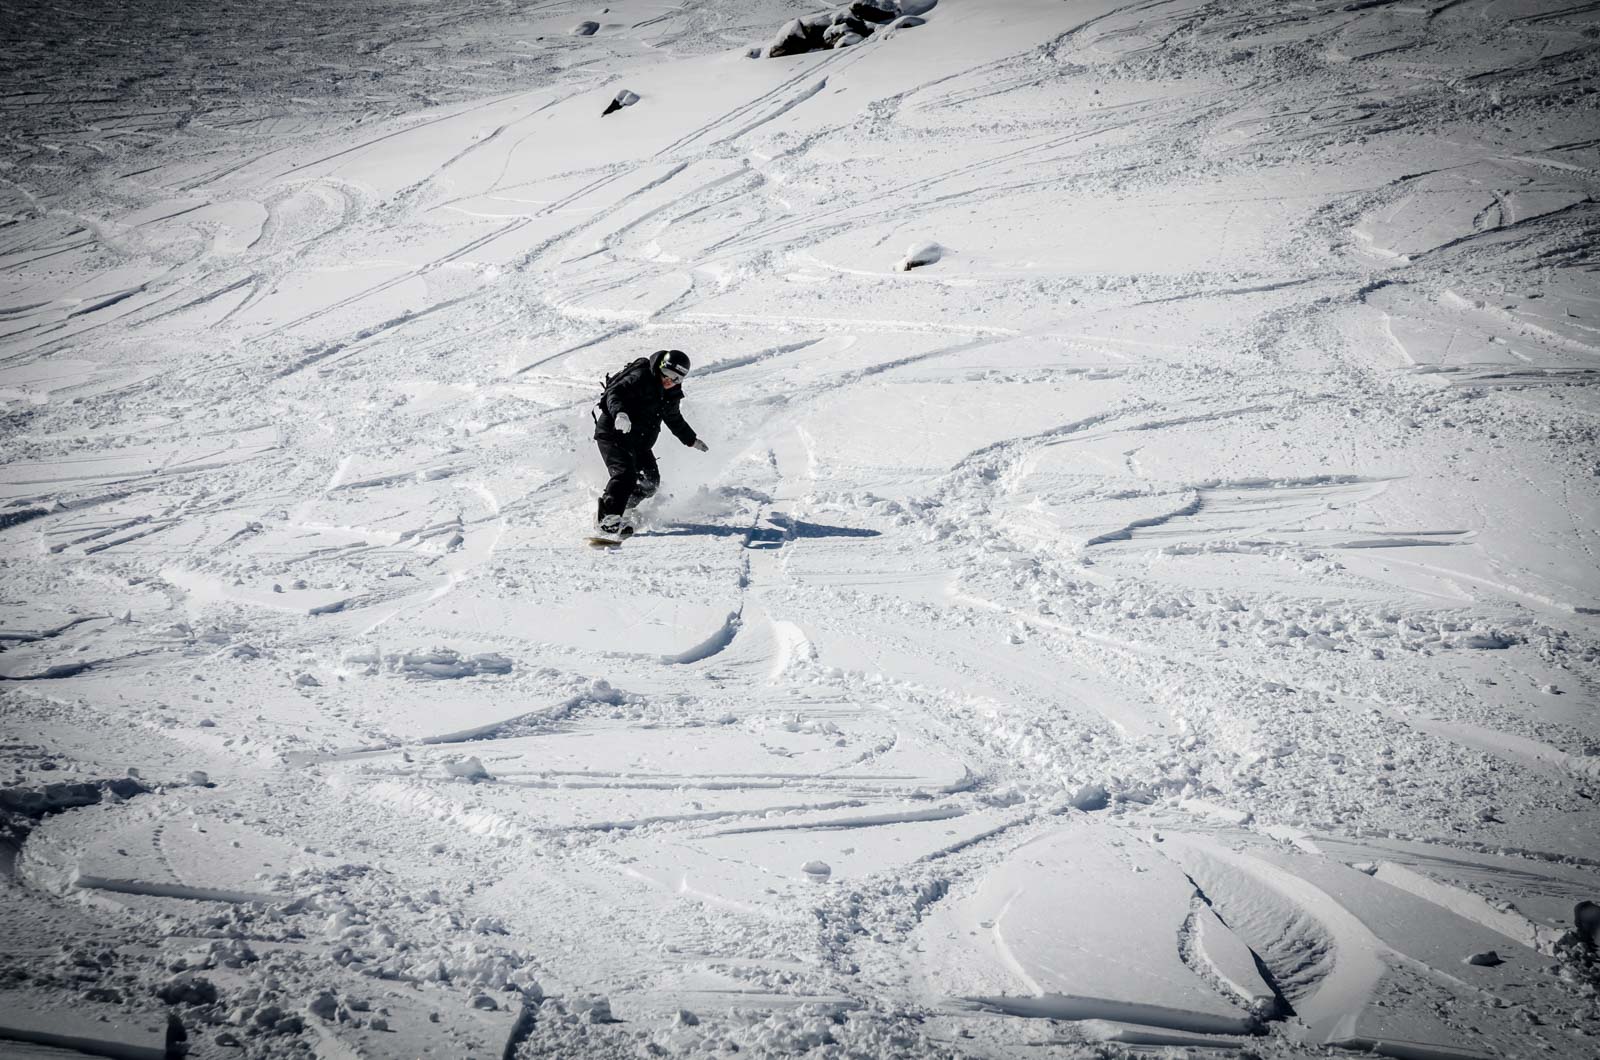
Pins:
x,y
637,391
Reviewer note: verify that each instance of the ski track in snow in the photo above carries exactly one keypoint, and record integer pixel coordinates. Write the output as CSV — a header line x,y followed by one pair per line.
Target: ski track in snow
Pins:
x,y
1167,620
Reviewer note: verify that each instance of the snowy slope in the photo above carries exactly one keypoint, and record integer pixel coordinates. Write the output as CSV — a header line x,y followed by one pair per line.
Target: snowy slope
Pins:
x,y
1166,619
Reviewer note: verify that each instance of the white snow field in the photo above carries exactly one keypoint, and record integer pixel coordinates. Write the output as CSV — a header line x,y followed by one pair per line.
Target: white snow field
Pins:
x,y
1142,596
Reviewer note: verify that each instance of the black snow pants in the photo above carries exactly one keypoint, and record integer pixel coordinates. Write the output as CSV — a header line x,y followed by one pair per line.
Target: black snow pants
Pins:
x,y
634,475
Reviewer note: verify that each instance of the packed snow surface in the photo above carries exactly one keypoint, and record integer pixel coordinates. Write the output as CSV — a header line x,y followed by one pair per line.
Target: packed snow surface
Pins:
x,y
1142,594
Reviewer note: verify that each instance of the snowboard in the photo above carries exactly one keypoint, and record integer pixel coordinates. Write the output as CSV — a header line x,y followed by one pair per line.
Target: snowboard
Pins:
x,y
604,540
629,514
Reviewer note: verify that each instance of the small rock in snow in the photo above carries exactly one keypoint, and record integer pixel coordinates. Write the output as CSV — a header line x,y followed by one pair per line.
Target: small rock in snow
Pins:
x,y
485,1002
585,29
685,1018
1486,959
307,681
378,1023
199,779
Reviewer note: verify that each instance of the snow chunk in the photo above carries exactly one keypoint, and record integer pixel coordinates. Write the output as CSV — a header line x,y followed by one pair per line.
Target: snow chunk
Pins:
x,y
444,664
1090,797
624,98
469,768
918,255
595,1008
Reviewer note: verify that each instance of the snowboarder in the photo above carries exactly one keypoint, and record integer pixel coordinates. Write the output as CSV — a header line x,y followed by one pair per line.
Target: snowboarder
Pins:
x,y
635,403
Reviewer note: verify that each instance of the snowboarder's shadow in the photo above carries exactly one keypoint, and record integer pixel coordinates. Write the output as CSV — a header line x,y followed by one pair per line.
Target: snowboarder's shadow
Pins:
x,y
783,528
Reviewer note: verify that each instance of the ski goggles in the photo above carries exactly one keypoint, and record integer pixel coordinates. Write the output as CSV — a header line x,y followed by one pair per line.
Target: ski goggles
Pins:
x,y
677,372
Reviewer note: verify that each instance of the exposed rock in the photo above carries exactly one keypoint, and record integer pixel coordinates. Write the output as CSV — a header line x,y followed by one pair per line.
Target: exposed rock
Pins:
x,y
793,39
875,10
585,29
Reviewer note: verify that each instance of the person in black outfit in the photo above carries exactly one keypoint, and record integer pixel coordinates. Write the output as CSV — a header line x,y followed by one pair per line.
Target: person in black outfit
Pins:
x,y
627,421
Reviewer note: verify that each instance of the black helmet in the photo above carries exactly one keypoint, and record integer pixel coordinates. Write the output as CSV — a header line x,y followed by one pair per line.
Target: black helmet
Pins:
x,y
670,362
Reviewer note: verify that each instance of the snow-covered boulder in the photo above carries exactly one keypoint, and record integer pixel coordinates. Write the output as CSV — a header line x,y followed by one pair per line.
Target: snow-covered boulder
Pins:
x,y
840,35
793,39
839,28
